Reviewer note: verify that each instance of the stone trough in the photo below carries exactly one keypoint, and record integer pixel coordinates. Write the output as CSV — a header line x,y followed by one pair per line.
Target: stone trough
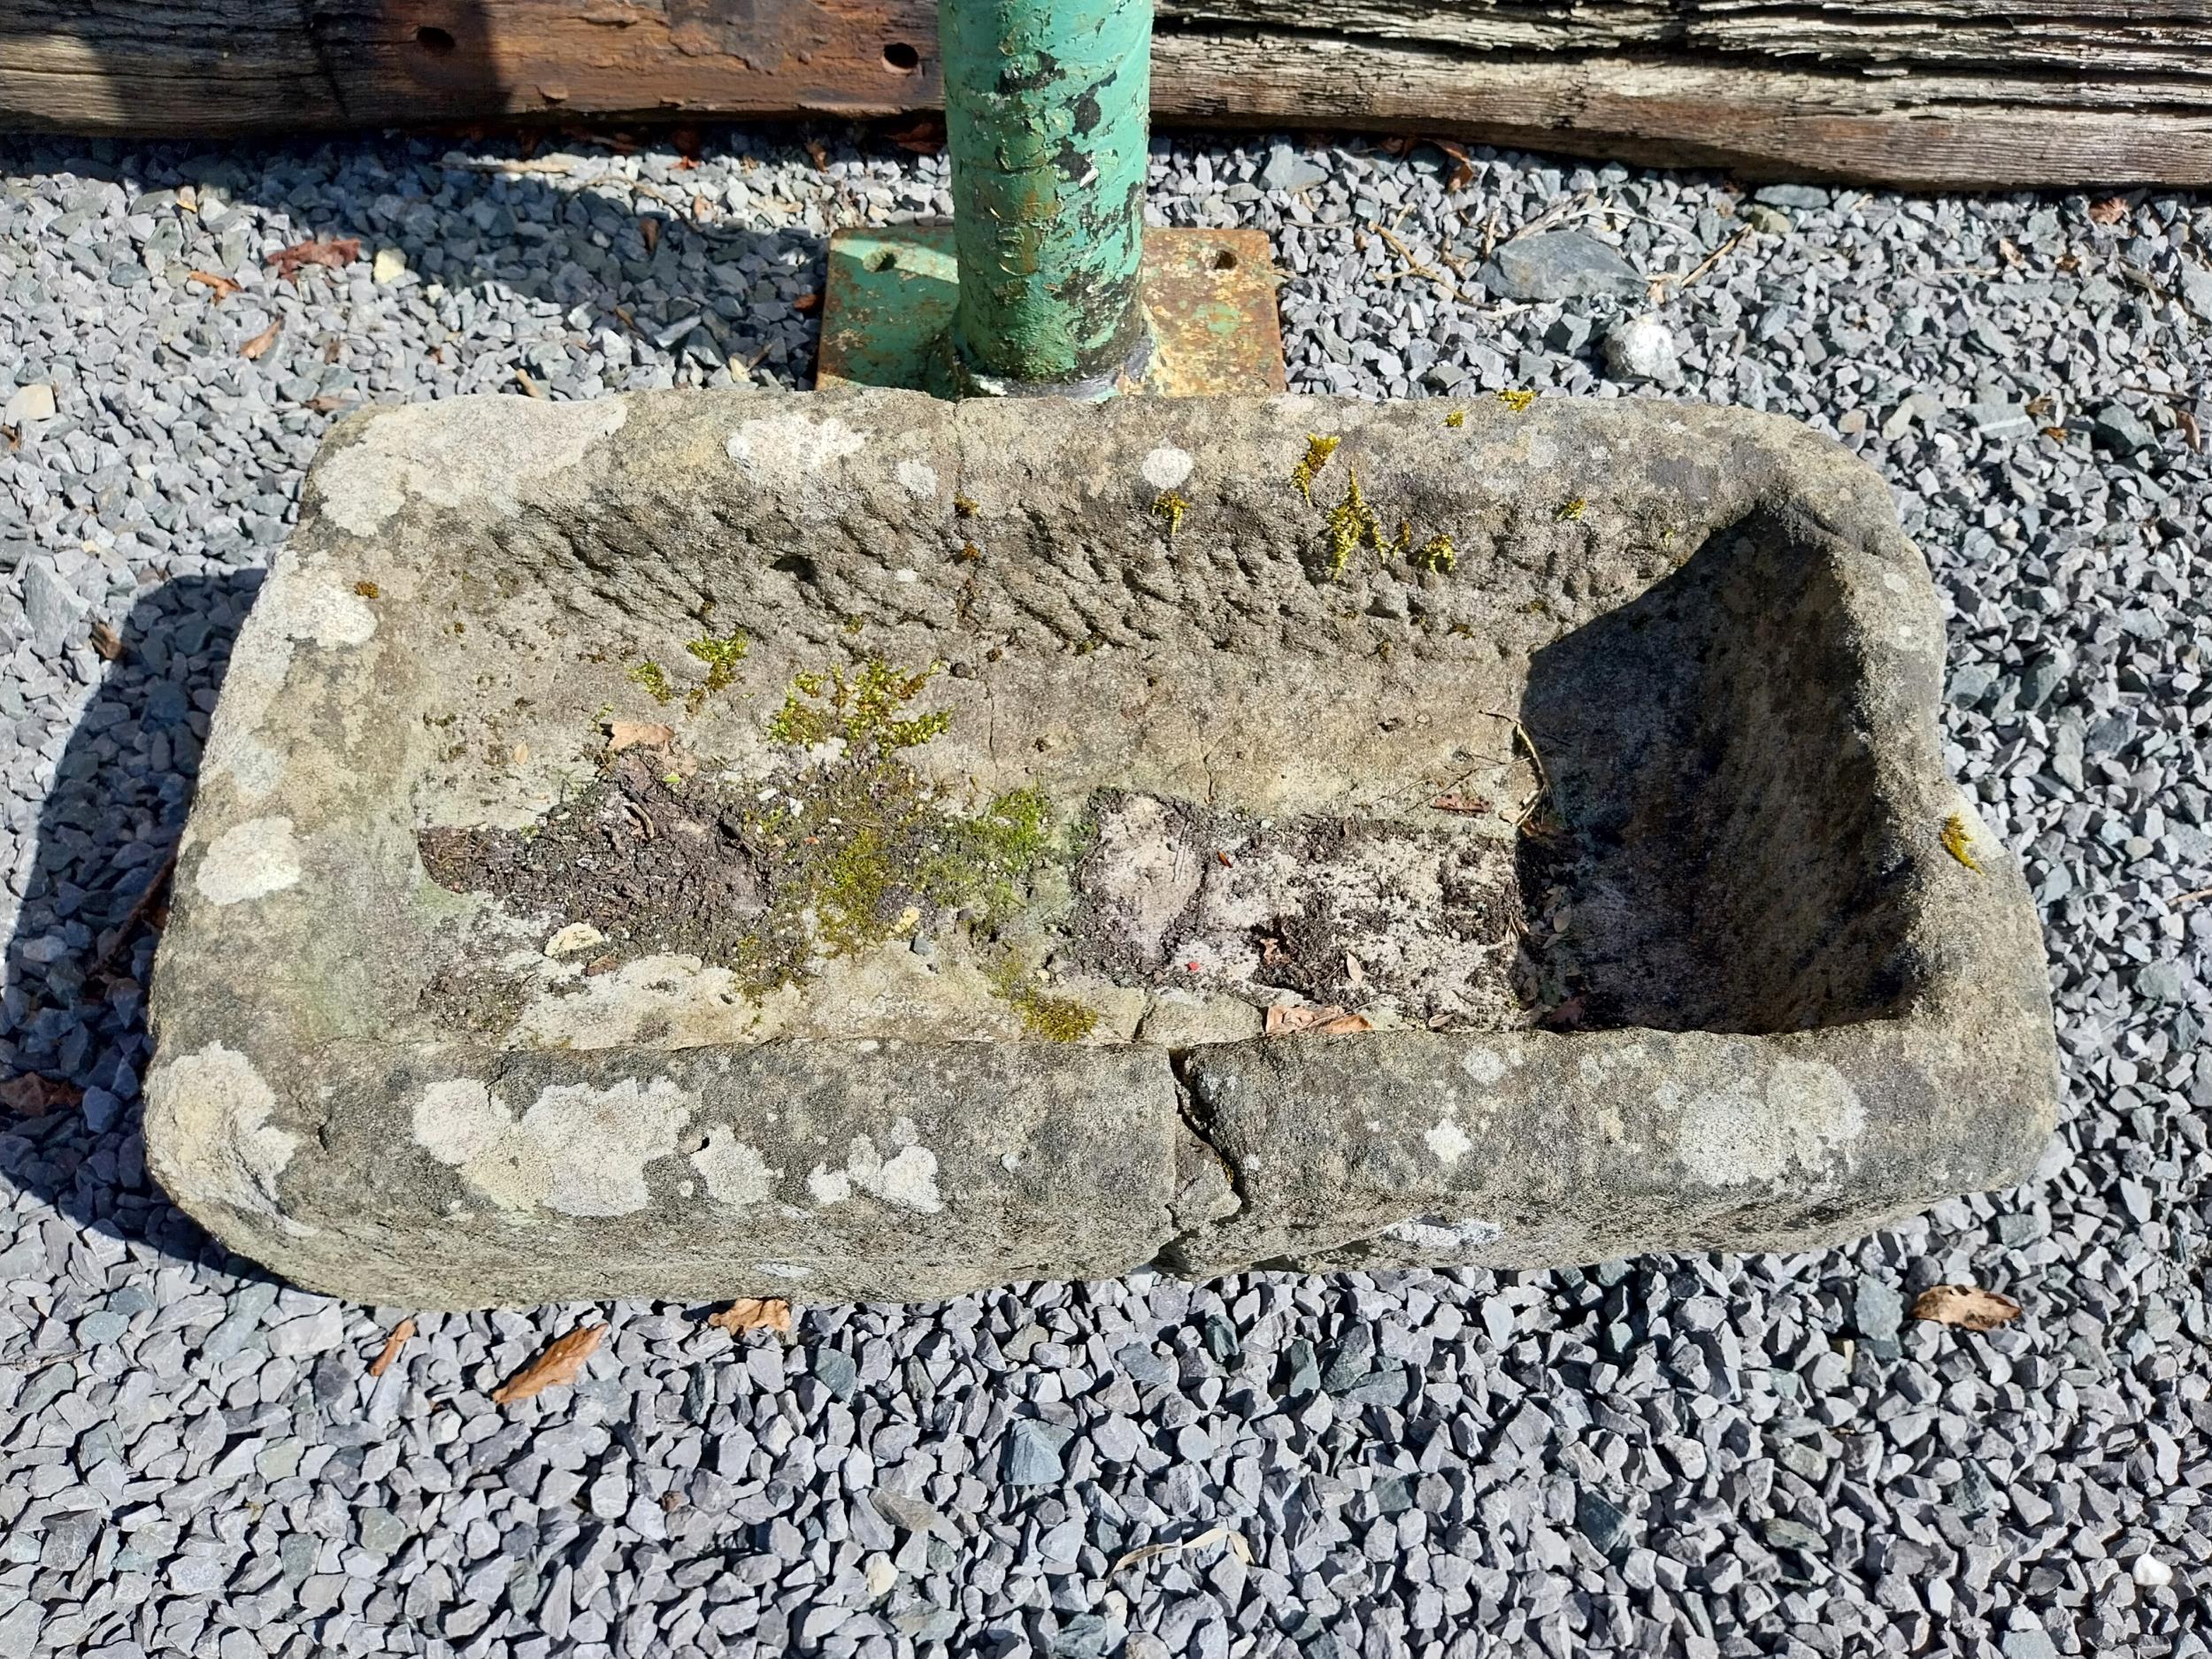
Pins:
x,y
851,846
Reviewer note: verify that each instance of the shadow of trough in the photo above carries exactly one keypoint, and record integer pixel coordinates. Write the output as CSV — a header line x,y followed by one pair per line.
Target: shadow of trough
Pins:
x,y
73,1004
1715,817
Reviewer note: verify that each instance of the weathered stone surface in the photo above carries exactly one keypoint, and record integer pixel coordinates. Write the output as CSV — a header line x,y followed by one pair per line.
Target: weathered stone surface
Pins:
x,y
1698,971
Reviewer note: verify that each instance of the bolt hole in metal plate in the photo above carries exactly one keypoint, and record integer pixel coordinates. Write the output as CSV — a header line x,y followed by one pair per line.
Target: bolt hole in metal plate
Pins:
x,y
1210,296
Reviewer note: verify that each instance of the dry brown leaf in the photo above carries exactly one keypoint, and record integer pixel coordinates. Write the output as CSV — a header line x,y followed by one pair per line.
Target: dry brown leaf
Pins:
x,y
1462,173
331,403
815,149
753,1313
336,252
1472,805
1568,1016
2057,434
807,301
560,1364
107,642
1968,1307
31,1096
623,735
924,138
1322,1022
2111,211
222,286
529,386
368,590
393,1343
649,229
261,341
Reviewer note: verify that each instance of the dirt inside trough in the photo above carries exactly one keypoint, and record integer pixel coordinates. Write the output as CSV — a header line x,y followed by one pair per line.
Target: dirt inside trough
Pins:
x,y
847,847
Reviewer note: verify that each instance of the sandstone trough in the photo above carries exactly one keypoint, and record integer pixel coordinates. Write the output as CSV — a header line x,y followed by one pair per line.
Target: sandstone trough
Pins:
x,y
851,846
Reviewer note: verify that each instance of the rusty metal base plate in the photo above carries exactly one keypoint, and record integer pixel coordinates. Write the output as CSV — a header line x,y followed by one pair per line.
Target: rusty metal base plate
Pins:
x,y
1210,296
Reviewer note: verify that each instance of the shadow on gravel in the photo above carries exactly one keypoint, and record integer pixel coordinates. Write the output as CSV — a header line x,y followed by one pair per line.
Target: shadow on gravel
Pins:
x,y
73,1011
648,260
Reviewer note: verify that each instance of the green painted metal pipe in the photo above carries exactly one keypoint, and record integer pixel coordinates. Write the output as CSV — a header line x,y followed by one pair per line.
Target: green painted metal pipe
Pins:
x,y
1048,108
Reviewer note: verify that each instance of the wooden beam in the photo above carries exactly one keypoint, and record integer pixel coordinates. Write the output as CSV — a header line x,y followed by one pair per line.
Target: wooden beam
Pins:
x,y
1917,92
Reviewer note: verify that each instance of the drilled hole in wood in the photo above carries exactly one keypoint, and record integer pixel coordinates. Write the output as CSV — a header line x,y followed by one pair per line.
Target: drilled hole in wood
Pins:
x,y
436,41
901,58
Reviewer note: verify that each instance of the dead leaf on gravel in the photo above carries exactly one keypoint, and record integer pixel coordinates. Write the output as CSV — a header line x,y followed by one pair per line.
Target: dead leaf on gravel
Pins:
x,y
623,735
1323,1022
32,1096
926,137
222,285
649,230
335,252
331,403
2111,211
753,1313
107,642
560,1365
1968,1307
261,341
393,1343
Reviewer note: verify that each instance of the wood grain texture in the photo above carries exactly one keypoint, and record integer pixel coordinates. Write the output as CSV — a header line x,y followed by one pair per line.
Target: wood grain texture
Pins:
x,y
1912,92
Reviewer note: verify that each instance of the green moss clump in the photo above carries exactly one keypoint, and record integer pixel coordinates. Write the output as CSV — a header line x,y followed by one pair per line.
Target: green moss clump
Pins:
x,y
862,707
1319,450
1351,521
721,657
654,678
1436,555
1054,1018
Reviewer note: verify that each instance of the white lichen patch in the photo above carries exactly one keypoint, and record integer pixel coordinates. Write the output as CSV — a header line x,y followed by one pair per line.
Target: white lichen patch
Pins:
x,y
907,1178
787,450
1486,1066
918,478
575,937
459,453
208,1119
670,1002
318,610
249,861
1449,1142
577,1150
1805,1120
1433,1237
1167,466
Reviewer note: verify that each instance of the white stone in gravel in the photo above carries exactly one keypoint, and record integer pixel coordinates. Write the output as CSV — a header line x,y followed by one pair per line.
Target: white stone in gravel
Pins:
x,y
28,404
1642,349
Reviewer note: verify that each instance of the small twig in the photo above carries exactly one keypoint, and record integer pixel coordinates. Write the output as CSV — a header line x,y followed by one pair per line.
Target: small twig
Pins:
x,y
1543,777
139,908
1414,267
1552,214
470,163
1708,263
2195,895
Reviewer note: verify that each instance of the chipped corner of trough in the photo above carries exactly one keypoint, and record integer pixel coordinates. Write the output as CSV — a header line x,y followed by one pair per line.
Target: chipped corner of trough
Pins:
x,y
851,847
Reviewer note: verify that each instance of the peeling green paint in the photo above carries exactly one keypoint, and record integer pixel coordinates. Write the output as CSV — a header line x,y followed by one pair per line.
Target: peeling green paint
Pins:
x,y
1046,117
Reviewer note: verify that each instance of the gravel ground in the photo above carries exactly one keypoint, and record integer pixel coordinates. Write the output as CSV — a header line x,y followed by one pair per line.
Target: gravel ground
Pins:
x,y
1696,1455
